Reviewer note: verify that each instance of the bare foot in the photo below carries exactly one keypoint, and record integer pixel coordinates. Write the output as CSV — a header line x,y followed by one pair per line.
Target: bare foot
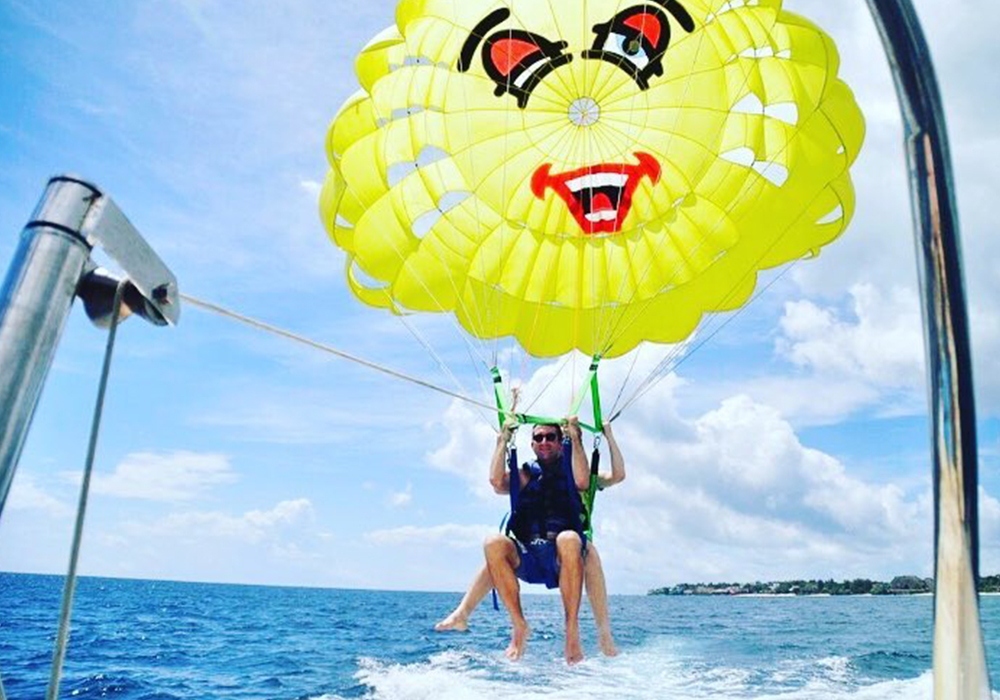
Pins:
x,y
518,640
453,623
574,652
607,643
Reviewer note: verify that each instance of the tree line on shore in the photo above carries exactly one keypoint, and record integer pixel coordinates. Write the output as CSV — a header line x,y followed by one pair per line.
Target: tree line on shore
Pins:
x,y
900,585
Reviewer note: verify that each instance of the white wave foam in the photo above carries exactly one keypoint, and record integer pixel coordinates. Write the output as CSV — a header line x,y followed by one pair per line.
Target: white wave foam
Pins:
x,y
653,672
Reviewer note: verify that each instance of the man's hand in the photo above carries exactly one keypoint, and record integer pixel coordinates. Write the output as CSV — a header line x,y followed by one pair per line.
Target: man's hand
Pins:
x,y
606,429
507,431
573,429
581,469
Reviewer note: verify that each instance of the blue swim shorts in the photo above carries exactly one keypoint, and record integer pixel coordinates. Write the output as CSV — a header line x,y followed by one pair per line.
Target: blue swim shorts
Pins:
x,y
539,563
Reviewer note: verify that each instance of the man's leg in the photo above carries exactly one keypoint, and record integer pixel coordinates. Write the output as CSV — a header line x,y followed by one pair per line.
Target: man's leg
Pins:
x,y
569,550
597,594
458,620
502,559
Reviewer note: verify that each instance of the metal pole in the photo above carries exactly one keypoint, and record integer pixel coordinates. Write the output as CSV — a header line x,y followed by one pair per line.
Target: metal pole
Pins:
x,y
35,301
959,658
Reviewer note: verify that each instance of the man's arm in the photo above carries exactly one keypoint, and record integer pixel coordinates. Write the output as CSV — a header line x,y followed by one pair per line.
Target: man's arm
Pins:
x,y
581,469
617,474
499,478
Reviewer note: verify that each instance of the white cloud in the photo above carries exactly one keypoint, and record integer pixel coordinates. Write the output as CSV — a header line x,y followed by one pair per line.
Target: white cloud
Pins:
x,y
450,535
311,188
399,499
882,346
869,358
166,477
468,448
26,495
252,527
745,499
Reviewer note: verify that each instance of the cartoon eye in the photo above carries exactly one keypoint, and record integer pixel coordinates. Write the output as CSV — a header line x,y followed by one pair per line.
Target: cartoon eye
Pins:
x,y
636,39
517,61
630,48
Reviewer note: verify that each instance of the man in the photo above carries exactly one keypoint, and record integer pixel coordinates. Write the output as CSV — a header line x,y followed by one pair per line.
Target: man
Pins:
x,y
547,547
593,572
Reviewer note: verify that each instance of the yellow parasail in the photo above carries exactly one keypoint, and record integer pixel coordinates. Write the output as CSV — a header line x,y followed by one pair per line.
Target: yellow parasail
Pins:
x,y
587,174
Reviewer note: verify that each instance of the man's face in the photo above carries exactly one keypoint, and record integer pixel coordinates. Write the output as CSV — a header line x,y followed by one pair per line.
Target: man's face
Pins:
x,y
546,443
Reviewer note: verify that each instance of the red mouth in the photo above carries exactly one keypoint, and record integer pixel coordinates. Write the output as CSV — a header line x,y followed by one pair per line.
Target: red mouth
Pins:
x,y
598,196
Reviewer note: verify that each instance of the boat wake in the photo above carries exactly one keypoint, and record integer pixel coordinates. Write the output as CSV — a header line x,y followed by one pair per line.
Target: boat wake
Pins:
x,y
651,672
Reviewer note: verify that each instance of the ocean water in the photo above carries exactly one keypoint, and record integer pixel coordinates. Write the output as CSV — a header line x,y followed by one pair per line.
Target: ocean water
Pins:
x,y
156,640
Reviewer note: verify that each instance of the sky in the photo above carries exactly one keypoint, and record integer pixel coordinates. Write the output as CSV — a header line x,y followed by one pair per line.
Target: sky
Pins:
x,y
791,444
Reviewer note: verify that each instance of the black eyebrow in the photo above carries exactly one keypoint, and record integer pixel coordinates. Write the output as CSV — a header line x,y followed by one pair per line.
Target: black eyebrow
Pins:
x,y
479,32
679,13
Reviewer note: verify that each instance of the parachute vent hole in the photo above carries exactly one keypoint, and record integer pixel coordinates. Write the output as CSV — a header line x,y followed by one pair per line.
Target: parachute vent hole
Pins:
x,y
366,280
428,155
399,171
341,222
450,200
775,173
404,112
423,224
787,112
835,215
729,7
841,150
754,52
584,112
784,54
749,104
741,156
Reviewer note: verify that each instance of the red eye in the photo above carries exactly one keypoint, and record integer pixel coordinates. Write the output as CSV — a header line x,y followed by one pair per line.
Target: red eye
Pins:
x,y
646,24
507,54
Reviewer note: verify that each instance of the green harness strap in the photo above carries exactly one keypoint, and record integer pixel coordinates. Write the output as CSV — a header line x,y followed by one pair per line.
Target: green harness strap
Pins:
x,y
502,410
595,457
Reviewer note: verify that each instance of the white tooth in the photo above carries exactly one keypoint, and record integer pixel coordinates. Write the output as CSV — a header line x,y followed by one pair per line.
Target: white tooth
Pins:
x,y
606,215
597,180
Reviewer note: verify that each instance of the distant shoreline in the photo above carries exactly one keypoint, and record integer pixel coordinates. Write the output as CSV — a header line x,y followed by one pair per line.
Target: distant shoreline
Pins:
x,y
822,595
900,585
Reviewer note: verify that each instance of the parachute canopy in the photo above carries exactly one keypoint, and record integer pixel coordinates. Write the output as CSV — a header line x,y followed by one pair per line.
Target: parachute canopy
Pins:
x,y
587,174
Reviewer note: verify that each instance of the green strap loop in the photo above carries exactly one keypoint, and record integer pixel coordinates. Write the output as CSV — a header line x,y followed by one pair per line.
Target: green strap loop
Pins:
x,y
502,410
590,383
595,394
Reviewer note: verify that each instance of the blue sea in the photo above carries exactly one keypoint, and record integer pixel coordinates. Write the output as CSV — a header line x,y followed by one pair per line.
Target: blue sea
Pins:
x,y
159,640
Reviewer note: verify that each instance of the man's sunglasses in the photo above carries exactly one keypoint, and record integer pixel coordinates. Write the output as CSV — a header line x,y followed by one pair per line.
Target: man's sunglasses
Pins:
x,y
545,437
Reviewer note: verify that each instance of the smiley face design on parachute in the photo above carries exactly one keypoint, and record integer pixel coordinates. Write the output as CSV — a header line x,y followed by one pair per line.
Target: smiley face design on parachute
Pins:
x,y
588,174
635,39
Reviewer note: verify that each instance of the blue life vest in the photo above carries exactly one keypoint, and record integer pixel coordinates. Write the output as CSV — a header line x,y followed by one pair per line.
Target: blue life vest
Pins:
x,y
545,507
